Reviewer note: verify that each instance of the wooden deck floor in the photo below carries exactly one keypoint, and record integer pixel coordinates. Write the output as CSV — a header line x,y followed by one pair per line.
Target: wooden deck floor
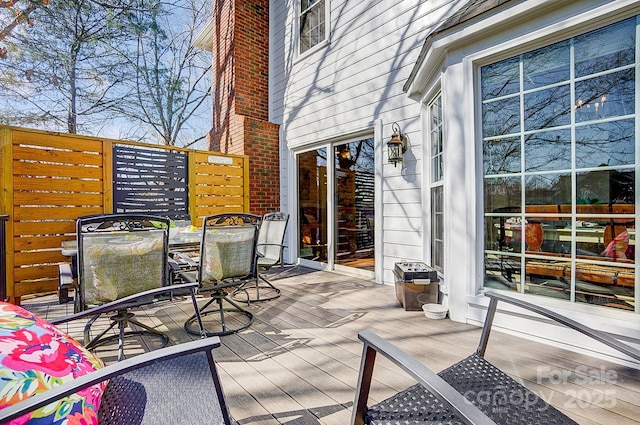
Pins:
x,y
298,362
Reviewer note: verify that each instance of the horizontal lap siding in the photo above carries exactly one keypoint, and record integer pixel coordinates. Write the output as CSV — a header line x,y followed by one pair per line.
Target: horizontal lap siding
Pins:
x,y
51,179
342,88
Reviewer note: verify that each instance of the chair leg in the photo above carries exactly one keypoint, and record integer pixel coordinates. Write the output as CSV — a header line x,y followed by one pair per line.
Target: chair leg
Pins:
x,y
244,317
253,288
122,318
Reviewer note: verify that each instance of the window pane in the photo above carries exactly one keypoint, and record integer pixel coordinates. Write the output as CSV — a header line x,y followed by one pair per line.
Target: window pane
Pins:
x,y
501,271
604,187
437,228
305,4
354,189
312,199
551,188
501,117
609,95
502,156
312,24
500,79
607,48
607,143
546,66
549,150
577,233
550,278
435,113
501,193
547,108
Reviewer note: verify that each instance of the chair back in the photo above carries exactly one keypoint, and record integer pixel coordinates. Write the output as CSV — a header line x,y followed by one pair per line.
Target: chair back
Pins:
x,y
121,255
228,248
271,238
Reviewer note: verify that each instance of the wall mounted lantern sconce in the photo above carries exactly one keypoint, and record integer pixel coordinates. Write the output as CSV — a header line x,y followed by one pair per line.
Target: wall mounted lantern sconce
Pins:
x,y
397,145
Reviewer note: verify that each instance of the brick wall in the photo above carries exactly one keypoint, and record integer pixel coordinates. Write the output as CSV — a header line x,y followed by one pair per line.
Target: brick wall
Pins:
x,y
240,96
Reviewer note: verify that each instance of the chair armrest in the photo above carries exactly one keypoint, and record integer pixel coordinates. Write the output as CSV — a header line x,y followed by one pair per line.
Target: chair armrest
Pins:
x,y
122,302
272,244
65,281
592,333
65,275
111,371
448,395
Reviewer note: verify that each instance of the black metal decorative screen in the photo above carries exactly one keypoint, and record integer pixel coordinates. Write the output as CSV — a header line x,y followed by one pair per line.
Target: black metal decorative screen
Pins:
x,y
147,180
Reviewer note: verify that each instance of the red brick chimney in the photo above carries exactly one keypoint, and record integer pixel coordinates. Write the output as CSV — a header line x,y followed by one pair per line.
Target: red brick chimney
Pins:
x,y
241,96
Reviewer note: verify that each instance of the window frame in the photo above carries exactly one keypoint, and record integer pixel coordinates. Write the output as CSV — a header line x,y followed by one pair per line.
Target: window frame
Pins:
x,y
436,181
574,215
320,44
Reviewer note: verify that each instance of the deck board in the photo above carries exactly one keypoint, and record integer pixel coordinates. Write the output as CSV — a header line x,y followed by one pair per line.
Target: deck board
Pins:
x,y
298,362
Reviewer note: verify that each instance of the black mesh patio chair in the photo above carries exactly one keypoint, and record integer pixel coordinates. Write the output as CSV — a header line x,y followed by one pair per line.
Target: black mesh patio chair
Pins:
x,y
123,256
177,385
269,252
227,260
472,391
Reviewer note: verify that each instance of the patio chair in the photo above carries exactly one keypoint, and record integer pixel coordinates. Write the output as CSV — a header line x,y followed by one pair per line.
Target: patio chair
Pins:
x,y
227,260
269,251
123,256
472,391
174,385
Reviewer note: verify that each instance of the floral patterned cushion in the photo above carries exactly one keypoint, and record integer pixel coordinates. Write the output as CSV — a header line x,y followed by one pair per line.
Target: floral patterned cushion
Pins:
x,y
36,356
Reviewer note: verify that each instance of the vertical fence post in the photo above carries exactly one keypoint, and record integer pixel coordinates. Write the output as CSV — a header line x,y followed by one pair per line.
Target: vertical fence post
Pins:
x,y
3,258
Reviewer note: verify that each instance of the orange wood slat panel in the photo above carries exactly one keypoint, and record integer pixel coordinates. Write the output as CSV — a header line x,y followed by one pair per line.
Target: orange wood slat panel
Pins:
x,y
29,213
50,170
55,178
56,156
57,140
220,201
49,284
39,257
220,190
57,199
38,242
48,227
48,271
57,184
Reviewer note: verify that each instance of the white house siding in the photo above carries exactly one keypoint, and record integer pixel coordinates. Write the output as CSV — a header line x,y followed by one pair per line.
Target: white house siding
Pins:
x,y
452,61
352,86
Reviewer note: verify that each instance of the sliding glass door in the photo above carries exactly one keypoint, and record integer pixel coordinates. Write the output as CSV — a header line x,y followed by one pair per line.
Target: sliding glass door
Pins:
x,y
340,232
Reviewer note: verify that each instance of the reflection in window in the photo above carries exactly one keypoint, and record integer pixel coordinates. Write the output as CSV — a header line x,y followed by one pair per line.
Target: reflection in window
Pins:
x,y
548,150
501,117
355,204
312,199
546,66
437,183
502,155
610,95
559,185
312,23
608,143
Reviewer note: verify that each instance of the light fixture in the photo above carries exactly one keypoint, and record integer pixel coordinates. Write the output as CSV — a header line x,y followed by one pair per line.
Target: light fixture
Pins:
x,y
397,145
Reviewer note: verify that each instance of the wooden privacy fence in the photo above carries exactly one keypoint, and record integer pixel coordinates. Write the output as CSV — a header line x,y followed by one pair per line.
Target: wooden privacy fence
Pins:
x,y
50,179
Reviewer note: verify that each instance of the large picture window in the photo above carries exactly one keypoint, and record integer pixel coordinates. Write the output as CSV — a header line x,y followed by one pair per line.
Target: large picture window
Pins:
x,y
559,149
312,23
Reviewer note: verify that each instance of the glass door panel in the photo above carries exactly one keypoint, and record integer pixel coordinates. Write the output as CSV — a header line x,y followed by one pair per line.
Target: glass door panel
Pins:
x,y
312,200
354,200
